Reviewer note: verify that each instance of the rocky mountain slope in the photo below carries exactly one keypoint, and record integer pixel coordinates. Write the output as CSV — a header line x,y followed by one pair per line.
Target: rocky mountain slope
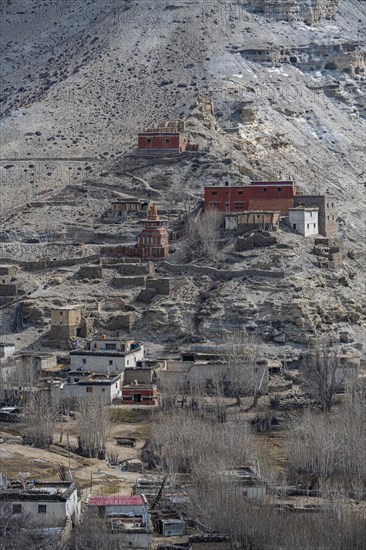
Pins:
x,y
80,79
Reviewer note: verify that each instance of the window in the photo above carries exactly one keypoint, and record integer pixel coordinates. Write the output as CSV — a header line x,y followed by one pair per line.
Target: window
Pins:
x,y
240,193
294,226
314,225
103,390
332,217
327,204
84,361
214,205
308,225
110,362
137,398
111,346
89,389
264,189
17,508
42,509
149,140
116,384
311,214
214,193
279,189
238,204
332,204
328,218
167,140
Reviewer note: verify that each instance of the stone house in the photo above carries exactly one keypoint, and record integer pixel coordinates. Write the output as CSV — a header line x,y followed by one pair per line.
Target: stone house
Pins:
x,y
107,356
52,503
183,375
67,324
304,220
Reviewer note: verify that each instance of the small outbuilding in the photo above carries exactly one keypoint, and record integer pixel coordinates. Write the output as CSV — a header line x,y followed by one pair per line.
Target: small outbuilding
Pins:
x,y
304,220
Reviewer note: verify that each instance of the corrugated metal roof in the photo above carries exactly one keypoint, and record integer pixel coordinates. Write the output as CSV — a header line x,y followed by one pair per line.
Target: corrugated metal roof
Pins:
x,y
135,500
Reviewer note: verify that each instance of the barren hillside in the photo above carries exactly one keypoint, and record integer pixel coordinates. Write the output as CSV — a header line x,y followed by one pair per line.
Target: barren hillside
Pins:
x,y
80,79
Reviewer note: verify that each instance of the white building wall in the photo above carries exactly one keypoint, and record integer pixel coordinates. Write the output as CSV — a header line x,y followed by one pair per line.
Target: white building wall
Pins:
x,y
56,511
68,391
105,364
6,352
304,221
231,222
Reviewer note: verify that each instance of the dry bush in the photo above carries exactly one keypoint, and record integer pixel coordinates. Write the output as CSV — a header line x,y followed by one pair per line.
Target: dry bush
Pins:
x,y
204,234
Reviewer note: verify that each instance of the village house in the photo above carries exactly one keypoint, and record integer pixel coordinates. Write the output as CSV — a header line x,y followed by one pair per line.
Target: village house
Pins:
x,y
127,516
8,285
327,211
86,384
53,503
67,324
203,371
137,393
255,220
165,138
259,195
304,220
107,356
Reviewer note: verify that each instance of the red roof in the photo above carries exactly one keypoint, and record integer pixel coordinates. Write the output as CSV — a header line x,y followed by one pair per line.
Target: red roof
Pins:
x,y
116,500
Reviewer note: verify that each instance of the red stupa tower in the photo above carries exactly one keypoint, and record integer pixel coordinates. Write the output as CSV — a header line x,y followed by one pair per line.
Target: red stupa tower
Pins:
x,y
153,241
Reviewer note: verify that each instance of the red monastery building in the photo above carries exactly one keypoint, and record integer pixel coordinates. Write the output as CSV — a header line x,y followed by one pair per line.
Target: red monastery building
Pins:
x,y
259,195
165,138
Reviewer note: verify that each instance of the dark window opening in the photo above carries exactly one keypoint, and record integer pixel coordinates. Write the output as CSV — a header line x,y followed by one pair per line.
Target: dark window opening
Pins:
x,y
264,189
42,509
137,398
17,508
111,346
279,189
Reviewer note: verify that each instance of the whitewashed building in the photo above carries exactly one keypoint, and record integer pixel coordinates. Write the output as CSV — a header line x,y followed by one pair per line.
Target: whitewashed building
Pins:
x,y
304,220
107,356
51,503
80,384
6,351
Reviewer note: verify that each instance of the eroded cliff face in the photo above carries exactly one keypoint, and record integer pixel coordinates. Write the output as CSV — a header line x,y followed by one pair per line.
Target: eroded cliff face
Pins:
x,y
312,12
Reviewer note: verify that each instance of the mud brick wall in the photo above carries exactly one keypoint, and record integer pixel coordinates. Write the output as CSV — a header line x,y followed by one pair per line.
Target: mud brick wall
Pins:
x,y
91,272
136,269
161,285
124,282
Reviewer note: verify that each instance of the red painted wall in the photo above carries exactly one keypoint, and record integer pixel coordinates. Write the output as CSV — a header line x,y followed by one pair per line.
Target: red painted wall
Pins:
x,y
166,141
257,196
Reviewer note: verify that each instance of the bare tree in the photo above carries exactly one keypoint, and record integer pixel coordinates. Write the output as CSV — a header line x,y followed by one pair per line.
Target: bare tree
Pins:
x,y
40,419
204,232
241,372
93,426
319,373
